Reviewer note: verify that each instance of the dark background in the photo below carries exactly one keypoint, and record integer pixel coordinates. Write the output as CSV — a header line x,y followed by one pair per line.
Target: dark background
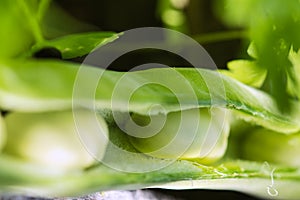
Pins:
x,y
120,15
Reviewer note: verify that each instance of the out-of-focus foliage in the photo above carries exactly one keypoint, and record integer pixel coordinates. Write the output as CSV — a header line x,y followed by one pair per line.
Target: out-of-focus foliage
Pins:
x,y
172,14
15,34
250,72
274,28
246,71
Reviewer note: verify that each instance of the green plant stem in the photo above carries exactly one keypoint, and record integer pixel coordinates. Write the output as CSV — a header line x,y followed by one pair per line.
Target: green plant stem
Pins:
x,y
33,22
43,6
220,36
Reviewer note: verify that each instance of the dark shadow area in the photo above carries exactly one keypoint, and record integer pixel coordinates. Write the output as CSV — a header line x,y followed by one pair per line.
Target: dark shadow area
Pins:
x,y
204,194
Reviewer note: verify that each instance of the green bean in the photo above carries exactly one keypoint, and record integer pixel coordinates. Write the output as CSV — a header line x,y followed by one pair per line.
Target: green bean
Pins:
x,y
54,139
267,145
191,134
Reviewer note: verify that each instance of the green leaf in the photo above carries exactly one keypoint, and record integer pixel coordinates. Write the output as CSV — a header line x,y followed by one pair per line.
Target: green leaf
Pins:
x,y
76,45
249,177
294,80
246,72
250,73
36,85
274,29
48,85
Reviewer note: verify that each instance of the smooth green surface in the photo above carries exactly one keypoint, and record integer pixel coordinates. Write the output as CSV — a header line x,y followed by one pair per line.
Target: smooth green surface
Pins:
x,y
48,85
191,134
2,133
265,145
76,45
50,139
14,23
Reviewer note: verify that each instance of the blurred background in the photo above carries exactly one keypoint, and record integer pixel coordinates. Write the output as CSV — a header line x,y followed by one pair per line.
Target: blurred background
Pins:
x,y
196,18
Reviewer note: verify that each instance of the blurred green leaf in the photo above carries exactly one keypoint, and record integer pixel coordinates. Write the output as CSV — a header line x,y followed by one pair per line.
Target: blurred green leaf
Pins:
x,y
274,28
76,45
293,84
250,73
246,72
